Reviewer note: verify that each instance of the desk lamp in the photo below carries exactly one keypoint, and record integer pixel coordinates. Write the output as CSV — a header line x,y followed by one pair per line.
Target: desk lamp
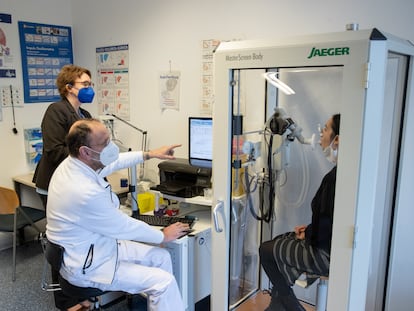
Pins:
x,y
133,170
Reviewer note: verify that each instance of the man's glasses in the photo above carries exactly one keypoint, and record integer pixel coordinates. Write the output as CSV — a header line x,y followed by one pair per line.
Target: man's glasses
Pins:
x,y
85,83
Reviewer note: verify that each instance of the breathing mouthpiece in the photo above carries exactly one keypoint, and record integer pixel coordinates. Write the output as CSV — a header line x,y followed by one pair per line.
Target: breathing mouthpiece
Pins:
x,y
280,124
311,141
307,141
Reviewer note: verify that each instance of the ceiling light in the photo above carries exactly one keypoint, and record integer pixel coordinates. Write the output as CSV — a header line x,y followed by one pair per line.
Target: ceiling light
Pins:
x,y
273,80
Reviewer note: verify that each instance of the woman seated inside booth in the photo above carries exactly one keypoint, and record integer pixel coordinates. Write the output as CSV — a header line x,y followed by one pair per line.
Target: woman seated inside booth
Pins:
x,y
307,248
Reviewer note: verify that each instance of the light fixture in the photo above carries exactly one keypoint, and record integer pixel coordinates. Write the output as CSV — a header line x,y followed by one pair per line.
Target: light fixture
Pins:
x,y
271,77
133,169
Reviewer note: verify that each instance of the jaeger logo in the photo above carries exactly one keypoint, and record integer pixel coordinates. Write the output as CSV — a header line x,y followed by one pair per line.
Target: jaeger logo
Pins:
x,y
329,52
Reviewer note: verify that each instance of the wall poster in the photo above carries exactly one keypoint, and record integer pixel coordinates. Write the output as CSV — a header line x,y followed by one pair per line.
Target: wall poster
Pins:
x,y
169,83
45,49
207,78
7,69
112,63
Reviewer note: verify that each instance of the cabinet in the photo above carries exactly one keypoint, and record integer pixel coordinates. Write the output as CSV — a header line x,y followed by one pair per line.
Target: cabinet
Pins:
x,y
191,255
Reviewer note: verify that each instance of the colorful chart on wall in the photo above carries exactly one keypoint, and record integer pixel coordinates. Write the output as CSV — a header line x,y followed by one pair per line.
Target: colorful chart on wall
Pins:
x,y
207,79
44,50
112,63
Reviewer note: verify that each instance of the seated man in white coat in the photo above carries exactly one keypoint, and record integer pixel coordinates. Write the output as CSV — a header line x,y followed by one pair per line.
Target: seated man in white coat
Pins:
x,y
104,248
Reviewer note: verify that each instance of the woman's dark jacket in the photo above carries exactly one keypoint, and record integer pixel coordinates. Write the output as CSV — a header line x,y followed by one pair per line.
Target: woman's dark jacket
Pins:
x,y
56,123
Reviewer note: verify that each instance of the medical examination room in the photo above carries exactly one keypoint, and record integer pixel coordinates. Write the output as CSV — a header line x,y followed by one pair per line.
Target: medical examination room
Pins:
x,y
206,155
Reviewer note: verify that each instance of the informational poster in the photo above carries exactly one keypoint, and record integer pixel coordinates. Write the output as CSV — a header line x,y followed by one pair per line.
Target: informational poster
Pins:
x,y
169,83
207,81
112,63
7,69
45,49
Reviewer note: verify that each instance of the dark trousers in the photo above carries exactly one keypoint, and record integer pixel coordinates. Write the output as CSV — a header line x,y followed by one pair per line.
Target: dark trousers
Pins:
x,y
285,258
270,266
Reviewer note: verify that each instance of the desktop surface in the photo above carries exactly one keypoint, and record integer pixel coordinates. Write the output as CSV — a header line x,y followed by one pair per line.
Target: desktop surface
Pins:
x,y
114,179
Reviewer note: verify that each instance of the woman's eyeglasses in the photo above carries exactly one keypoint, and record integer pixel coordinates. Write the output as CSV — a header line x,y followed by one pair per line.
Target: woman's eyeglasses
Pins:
x,y
85,83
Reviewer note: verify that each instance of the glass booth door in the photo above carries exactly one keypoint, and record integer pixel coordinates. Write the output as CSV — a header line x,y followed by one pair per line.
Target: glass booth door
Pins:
x,y
275,171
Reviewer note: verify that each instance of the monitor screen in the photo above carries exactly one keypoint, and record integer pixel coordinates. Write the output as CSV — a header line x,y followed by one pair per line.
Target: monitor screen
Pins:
x,y
200,141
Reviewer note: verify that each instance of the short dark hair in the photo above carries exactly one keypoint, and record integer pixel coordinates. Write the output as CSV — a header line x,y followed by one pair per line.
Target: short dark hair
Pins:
x,y
79,135
336,122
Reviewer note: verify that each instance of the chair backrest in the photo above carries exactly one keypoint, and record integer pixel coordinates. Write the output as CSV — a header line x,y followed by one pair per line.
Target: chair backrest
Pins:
x,y
9,201
54,255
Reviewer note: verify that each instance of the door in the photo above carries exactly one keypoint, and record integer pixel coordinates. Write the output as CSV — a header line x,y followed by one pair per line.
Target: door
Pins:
x,y
273,175
394,284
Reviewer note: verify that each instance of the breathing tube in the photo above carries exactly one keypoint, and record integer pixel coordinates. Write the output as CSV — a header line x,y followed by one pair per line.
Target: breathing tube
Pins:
x,y
269,182
266,185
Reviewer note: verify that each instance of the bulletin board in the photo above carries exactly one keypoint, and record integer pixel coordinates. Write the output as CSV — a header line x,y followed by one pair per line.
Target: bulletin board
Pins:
x,y
45,49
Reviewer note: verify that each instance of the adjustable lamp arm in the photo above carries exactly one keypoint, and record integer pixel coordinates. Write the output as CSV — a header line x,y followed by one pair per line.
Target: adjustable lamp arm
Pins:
x,y
133,181
144,133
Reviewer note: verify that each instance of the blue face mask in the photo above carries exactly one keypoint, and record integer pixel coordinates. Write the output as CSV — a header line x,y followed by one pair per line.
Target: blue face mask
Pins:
x,y
86,94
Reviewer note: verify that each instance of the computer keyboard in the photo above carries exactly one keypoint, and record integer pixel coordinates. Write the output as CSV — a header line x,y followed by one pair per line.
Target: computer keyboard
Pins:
x,y
165,221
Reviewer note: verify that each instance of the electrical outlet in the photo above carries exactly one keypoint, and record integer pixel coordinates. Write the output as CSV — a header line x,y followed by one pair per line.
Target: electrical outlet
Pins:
x,y
5,96
11,96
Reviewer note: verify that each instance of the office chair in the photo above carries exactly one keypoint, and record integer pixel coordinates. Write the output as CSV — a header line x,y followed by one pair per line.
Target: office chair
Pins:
x,y
14,217
54,257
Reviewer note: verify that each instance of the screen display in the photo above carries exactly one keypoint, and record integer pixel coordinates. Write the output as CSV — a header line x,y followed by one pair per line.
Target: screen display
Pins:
x,y
200,134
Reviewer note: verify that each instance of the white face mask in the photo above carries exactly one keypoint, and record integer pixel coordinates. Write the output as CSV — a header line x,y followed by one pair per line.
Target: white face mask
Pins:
x,y
108,154
331,154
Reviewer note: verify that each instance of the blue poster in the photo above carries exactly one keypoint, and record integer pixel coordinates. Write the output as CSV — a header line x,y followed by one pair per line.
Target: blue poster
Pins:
x,y
45,49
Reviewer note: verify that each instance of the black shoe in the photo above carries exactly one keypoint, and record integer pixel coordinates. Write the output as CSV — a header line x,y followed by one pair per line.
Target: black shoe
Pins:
x,y
291,303
275,305
275,302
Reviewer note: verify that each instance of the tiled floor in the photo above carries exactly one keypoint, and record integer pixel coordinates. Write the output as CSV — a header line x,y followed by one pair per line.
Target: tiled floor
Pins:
x,y
260,301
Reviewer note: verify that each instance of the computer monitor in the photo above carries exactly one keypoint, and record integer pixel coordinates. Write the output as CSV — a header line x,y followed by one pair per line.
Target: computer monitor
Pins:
x,y
200,141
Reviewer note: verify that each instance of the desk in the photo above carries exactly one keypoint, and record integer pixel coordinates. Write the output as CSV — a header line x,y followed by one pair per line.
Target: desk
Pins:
x,y
191,258
199,200
25,180
191,254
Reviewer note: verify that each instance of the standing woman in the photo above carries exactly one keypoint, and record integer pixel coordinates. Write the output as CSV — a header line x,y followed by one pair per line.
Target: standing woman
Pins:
x,y
75,88
307,248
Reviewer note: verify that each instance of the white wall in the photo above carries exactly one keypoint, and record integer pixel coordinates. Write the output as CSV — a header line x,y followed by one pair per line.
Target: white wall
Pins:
x,y
162,31
12,155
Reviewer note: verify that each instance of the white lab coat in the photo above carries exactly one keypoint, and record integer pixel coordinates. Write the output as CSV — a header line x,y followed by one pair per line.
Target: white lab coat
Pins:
x,y
83,216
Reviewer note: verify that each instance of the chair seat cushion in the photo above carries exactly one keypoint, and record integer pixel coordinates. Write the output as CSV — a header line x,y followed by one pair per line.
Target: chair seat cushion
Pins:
x,y
7,220
33,213
83,293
